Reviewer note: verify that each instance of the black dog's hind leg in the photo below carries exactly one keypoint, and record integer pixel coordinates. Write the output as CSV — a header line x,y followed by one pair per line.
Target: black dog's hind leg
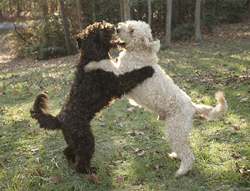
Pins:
x,y
84,145
69,154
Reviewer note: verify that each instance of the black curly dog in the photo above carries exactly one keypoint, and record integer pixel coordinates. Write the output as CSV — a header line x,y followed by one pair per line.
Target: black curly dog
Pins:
x,y
89,93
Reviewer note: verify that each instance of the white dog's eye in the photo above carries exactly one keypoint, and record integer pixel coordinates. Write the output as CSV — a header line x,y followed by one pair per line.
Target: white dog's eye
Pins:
x,y
132,31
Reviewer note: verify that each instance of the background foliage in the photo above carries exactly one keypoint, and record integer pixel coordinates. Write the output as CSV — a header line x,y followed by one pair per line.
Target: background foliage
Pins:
x,y
47,38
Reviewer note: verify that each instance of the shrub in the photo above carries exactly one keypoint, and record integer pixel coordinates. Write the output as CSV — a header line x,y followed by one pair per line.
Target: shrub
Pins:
x,y
233,11
46,40
183,32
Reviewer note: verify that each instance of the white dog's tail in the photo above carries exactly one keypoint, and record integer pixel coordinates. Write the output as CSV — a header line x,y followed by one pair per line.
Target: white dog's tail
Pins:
x,y
210,112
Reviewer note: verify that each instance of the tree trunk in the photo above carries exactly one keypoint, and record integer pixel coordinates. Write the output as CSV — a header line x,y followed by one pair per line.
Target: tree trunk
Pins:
x,y
248,6
126,10
168,23
197,20
1,15
79,14
149,13
10,8
93,11
139,11
65,27
18,8
122,10
45,10
175,14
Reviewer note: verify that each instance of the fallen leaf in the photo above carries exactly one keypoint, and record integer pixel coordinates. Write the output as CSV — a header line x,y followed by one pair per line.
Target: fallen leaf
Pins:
x,y
37,160
36,172
111,164
138,132
241,95
134,132
15,92
157,166
101,118
141,182
93,178
244,99
245,175
236,127
20,119
35,133
119,178
57,178
8,160
35,150
139,152
197,122
4,108
132,109
234,155
139,187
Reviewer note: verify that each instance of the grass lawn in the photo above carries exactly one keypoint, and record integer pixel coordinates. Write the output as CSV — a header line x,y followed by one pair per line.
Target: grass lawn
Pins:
x,y
131,151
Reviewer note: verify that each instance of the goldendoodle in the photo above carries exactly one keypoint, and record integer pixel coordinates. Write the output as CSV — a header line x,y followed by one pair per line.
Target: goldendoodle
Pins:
x,y
89,93
158,93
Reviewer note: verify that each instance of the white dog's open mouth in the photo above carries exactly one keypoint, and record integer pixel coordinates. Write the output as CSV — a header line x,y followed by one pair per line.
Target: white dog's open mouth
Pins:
x,y
117,42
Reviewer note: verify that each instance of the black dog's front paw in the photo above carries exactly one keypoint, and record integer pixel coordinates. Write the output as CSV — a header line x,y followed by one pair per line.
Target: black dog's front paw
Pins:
x,y
94,169
82,169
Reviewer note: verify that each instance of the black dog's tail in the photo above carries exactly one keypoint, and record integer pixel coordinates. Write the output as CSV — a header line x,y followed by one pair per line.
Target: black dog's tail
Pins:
x,y
45,120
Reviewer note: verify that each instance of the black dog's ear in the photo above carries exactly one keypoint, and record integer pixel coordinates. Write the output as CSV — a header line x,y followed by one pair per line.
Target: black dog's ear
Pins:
x,y
90,51
79,41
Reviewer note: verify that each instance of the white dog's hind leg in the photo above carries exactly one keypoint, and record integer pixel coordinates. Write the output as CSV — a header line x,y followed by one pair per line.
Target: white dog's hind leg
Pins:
x,y
176,135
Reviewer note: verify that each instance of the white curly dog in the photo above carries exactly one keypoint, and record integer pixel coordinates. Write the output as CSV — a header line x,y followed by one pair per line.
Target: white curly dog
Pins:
x,y
158,93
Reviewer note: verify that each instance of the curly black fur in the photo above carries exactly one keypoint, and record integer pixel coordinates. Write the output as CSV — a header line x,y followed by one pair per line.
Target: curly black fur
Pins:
x,y
89,93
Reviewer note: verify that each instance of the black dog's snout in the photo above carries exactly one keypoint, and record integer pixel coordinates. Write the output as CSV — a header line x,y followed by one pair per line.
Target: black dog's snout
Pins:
x,y
118,30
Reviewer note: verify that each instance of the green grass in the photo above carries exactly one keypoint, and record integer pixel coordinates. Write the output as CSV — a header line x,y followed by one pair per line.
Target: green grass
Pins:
x,y
221,146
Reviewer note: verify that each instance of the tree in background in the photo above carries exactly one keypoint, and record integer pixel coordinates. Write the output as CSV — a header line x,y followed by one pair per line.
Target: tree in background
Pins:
x,y
149,12
197,26
122,10
168,23
79,14
65,27
18,8
125,10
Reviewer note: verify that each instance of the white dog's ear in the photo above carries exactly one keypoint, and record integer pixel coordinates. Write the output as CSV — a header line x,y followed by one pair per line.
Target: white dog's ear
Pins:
x,y
155,45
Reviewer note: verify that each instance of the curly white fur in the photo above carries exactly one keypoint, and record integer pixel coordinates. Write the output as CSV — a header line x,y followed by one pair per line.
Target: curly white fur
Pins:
x,y
159,93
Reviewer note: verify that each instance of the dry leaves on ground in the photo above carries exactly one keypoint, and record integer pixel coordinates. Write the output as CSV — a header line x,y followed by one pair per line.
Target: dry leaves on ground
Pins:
x,y
93,178
57,178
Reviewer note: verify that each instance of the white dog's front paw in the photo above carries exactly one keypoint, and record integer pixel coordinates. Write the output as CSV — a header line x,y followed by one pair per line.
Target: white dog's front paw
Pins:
x,y
179,173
